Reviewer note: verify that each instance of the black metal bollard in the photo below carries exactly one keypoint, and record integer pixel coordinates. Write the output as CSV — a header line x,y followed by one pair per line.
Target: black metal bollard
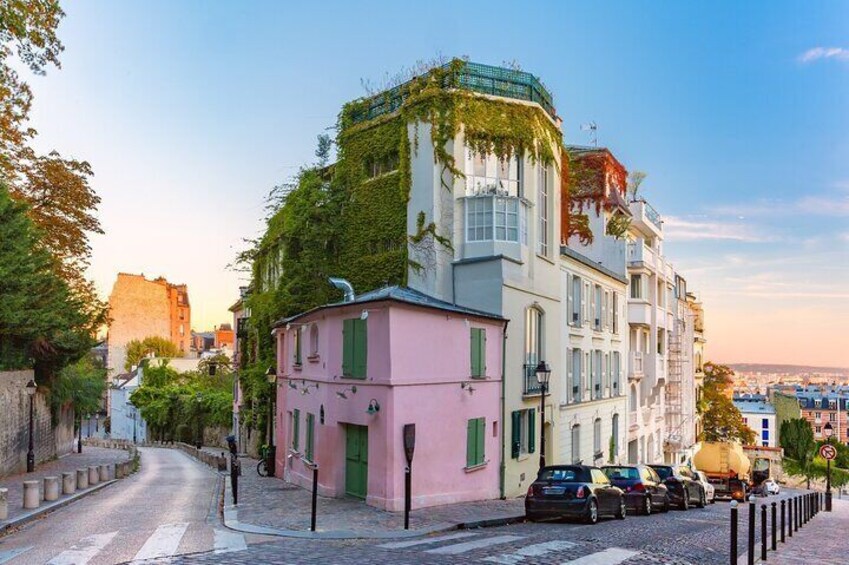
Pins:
x,y
733,532
790,517
782,520
774,527
751,548
314,496
763,532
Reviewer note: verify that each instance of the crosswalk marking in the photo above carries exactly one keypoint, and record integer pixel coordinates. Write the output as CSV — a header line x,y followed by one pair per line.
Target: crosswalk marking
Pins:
x,y
163,543
535,550
456,548
84,551
228,542
403,544
12,553
612,556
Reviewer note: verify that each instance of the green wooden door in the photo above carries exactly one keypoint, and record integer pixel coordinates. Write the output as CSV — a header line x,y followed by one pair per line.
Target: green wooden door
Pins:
x,y
356,460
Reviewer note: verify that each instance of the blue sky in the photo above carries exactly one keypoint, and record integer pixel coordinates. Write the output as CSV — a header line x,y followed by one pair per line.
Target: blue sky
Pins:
x,y
190,111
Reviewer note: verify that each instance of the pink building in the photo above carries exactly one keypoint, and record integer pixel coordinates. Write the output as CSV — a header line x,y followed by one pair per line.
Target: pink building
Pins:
x,y
351,375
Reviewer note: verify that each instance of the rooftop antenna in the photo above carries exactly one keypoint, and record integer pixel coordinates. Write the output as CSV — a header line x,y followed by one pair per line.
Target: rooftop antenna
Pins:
x,y
592,127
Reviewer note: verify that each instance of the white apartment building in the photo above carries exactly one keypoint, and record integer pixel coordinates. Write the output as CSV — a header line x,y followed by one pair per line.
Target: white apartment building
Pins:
x,y
759,415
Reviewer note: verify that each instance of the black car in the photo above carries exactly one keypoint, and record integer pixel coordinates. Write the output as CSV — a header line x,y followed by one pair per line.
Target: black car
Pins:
x,y
683,486
573,491
644,489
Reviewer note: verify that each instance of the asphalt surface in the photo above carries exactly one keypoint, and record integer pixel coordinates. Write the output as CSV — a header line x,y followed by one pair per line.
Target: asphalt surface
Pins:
x,y
169,507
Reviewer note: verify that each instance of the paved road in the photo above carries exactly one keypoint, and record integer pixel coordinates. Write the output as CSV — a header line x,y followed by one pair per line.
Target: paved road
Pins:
x,y
697,536
168,508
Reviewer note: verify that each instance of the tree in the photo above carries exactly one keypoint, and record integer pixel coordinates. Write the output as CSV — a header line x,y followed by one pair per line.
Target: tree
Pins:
x,y
722,420
80,384
635,179
797,439
154,344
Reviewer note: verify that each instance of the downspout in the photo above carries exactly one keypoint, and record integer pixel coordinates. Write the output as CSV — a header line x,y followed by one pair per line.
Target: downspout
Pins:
x,y
503,468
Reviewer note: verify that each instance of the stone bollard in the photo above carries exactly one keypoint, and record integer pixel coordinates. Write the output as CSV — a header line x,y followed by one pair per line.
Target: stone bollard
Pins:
x,y
32,498
93,476
4,503
104,473
51,488
82,479
116,471
69,483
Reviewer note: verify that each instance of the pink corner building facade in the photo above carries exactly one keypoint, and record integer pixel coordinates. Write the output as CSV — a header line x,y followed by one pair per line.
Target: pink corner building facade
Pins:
x,y
351,375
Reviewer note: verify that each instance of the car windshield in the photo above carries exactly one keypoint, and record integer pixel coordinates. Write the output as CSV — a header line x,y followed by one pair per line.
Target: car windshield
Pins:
x,y
563,474
663,472
619,473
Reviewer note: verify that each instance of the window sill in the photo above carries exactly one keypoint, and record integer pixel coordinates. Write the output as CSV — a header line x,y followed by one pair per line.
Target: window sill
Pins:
x,y
297,367
480,377
523,457
352,377
477,467
313,358
544,258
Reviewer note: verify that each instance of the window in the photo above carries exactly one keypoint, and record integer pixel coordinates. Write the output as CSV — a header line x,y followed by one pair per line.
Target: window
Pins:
x,y
614,437
596,373
297,345
354,348
543,207
310,443
765,435
615,376
533,347
489,175
765,423
576,375
376,166
182,330
475,434
818,430
615,308
478,352
314,341
576,444
597,454
637,287
597,308
495,219
832,417
575,299
296,428
817,415
523,429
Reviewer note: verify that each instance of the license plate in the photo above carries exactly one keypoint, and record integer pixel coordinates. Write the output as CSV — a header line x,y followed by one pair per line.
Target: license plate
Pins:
x,y
553,490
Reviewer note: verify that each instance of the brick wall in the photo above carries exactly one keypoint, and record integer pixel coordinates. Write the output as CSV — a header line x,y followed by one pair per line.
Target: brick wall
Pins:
x,y
139,308
51,439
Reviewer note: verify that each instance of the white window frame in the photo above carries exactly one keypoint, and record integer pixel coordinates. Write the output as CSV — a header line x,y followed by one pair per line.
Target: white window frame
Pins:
x,y
544,212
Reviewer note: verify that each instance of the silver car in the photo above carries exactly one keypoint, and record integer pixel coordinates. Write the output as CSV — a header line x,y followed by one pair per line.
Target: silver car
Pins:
x,y
771,487
710,492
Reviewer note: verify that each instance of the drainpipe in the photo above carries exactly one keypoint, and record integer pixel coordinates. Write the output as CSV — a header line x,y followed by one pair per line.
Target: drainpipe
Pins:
x,y
344,286
503,468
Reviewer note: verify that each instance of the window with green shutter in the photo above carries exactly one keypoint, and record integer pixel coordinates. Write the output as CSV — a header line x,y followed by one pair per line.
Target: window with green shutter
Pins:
x,y
475,440
532,434
296,428
297,347
478,352
354,348
310,444
516,433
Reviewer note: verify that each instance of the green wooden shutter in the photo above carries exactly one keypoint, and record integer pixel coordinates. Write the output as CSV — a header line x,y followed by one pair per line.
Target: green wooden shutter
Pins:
x,y
471,431
347,347
360,348
477,348
516,433
532,434
480,455
298,346
296,428
483,352
310,436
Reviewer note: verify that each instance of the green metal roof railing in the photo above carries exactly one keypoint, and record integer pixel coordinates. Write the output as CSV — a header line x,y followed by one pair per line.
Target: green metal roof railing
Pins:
x,y
485,79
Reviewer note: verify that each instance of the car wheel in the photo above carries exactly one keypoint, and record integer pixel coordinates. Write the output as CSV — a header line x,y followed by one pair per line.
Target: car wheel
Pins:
x,y
666,503
620,514
647,506
685,501
592,512
531,517
702,501
713,498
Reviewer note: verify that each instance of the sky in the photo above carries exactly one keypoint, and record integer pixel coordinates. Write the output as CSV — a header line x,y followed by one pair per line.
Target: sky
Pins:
x,y
190,111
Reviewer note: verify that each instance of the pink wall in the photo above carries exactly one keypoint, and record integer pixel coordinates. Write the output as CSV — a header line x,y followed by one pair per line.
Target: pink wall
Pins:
x,y
417,360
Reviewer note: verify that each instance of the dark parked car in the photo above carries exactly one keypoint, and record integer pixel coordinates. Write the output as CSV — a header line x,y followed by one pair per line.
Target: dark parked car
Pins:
x,y
683,486
573,491
644,489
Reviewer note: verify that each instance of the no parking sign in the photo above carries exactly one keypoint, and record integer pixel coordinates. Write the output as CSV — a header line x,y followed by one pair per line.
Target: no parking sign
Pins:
x,y
828,452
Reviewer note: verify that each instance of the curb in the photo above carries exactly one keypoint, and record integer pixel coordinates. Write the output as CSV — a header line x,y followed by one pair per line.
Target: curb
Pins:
x,y
47,508
231,522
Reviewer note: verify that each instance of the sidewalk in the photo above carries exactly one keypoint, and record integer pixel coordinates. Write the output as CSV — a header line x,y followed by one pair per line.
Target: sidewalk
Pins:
x,y
68,463
272,506
821,541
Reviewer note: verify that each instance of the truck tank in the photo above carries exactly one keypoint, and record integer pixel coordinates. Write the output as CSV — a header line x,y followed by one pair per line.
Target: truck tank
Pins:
x,y
727,459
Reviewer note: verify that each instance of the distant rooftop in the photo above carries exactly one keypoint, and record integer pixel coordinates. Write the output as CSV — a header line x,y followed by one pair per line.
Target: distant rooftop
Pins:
x,y
753,406
477,77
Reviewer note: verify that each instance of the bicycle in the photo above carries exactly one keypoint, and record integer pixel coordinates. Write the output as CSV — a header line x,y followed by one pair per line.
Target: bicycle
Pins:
x,y
262,466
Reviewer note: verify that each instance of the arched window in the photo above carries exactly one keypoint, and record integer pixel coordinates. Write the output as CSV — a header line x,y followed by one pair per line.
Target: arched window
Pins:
x,y
534,352
314,340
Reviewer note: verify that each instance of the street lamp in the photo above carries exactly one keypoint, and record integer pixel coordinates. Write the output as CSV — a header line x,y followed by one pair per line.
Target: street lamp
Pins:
x,y
31,388
543,372
828,431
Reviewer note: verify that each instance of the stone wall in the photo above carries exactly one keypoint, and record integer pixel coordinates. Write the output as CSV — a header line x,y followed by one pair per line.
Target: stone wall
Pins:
x,y
51,439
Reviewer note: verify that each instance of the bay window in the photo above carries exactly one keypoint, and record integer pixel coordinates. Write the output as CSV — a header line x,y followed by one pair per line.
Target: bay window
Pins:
x,y
492,218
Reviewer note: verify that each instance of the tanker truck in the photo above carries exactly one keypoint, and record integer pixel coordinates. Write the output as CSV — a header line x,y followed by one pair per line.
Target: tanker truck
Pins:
x,y
726,467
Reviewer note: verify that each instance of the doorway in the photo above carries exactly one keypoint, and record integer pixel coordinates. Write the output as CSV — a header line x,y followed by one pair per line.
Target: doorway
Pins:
x,y
356,460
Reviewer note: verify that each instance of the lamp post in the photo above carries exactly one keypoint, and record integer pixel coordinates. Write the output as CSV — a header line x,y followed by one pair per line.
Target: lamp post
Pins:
x,y
828,431
31,388
271,377
543,372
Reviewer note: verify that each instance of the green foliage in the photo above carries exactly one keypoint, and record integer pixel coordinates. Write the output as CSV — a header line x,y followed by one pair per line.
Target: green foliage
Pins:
x,y
797,439
617,225
81,385
154,344
722,420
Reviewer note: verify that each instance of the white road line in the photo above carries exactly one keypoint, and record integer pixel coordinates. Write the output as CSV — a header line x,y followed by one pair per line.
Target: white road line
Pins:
x,y
403,544
163,542
456,548
228,542
611,556
535,550
12,553
84,551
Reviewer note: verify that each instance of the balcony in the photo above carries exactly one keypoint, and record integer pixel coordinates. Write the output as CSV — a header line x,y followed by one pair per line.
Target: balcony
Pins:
x,y
633,424
646,218
635,366
531,384
660,367
639,313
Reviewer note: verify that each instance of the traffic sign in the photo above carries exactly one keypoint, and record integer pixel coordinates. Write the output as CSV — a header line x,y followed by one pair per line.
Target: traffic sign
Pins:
x,y
828,452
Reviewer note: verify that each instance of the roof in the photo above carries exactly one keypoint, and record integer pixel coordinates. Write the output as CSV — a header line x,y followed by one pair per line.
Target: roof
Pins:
x,y
753,406
571,253
401,294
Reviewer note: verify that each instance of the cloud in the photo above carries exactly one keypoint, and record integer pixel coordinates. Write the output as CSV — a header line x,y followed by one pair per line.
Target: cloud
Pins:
x,y
835,203
680,229
836,53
